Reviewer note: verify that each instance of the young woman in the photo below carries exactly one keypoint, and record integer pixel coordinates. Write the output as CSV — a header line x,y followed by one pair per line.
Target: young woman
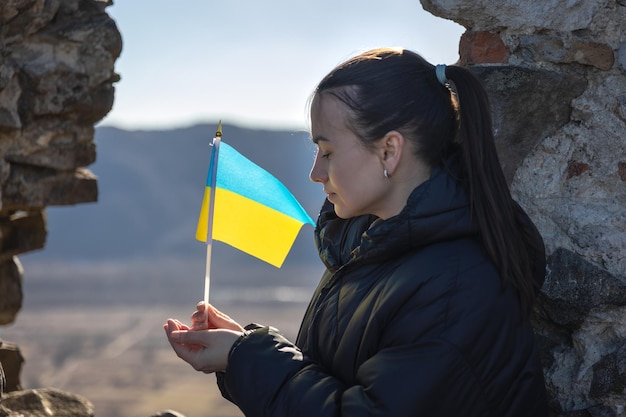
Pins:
x,y
431,266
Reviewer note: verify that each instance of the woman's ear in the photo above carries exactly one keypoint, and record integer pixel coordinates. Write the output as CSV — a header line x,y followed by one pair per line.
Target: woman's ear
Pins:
x,y
392,146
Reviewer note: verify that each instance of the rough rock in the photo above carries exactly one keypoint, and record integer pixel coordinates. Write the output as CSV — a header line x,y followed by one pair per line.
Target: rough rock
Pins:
x,y
580,322
575,287
482,48
168,413
11,361
11,276
523,16
520,120
556,49
56,80
46,402
572,181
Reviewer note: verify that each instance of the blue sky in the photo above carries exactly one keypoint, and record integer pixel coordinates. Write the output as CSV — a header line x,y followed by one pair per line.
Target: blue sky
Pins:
x,y
249,62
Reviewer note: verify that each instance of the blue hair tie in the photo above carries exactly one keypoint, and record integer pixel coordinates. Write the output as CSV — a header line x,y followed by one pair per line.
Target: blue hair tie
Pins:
x,y
440,70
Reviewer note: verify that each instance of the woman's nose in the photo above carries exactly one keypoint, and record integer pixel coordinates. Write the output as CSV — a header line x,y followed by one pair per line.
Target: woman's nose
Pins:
x,y
318,174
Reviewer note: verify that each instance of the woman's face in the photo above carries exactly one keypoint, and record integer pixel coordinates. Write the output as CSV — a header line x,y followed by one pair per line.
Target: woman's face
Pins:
x,y
352,175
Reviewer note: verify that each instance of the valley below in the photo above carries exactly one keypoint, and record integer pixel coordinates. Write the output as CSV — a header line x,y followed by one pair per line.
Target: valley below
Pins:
x,y
119,358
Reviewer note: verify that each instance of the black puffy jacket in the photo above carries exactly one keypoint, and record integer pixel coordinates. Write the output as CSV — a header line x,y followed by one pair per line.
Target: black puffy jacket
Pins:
x,y
409,319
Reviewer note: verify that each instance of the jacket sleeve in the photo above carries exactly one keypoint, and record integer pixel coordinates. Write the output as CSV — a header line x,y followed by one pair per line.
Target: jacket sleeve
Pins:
x,y
269,376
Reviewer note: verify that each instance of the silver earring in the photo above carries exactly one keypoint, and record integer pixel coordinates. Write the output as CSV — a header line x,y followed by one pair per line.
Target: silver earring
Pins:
x,y
386,173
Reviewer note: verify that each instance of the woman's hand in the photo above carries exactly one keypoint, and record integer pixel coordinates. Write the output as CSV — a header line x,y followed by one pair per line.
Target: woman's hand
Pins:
x,y
206,345
204,350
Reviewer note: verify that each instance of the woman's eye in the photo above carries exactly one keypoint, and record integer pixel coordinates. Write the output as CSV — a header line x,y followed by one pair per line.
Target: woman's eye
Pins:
x,y
322,154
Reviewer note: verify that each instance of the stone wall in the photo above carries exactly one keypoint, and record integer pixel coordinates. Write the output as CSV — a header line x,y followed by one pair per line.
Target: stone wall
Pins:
x,y
56,74
556,74
56,81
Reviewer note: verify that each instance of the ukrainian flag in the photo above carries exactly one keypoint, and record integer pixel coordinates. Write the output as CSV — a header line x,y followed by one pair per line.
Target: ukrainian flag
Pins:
x,y
254,212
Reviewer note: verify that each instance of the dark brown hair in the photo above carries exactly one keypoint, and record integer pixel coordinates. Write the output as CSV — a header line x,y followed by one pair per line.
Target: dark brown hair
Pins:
x,y
392,89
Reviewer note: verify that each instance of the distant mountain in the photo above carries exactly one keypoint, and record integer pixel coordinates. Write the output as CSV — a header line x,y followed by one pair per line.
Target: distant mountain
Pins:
x,y
151,185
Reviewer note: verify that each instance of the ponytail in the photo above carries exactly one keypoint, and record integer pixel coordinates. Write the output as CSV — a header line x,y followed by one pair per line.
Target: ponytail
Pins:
x,y
491,202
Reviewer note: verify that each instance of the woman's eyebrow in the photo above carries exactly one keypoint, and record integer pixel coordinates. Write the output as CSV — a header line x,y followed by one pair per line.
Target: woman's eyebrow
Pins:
x,y
318,138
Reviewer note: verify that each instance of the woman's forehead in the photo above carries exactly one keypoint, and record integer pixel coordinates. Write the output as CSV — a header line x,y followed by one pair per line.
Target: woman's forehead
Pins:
x,y
328,118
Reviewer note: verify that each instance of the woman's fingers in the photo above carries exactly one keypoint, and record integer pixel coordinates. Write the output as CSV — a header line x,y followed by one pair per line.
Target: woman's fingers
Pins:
x,y
172,326
208,317
199,319
219,320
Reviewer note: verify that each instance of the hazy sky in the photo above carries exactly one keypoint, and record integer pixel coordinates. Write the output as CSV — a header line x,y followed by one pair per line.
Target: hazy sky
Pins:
x,y
249,62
